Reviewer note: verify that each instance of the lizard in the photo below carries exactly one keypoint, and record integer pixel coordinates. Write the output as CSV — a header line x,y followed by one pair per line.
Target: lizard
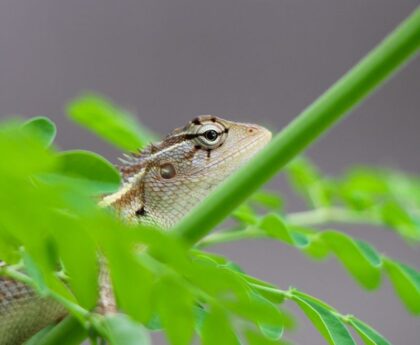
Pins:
x,y
161,184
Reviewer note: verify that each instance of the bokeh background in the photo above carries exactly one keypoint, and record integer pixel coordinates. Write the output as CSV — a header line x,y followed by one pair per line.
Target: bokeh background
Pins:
x,y
252,60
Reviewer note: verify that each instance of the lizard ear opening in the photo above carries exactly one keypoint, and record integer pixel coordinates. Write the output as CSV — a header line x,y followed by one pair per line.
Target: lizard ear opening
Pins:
x,y
167,171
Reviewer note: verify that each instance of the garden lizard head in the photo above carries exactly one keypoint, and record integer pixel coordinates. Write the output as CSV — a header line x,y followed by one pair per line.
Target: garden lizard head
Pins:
x,y
168,178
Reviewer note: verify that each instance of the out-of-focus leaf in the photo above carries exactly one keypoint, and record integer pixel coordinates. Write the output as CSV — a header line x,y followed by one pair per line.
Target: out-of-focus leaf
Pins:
x,y
367,333
274,226
306,297
9,247
45,279
399,219
272,332
113,124
264,290
121,330
81,268
358,257
406,282
329,325
176,310
89,169
267,199
39,336
255,338
245,214
132,281
224,282
43,128
362,188
260,311
307,180
217,329
22,152
317,248
34,272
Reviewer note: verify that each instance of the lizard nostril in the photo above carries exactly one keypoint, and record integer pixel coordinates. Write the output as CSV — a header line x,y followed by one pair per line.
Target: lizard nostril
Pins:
x,y
251,130
167,171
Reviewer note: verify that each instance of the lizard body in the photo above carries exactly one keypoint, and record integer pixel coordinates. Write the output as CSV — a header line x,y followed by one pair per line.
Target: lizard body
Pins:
x,y
161,184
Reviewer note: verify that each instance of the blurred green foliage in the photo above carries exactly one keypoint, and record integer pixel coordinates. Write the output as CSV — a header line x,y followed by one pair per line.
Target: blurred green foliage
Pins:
x,y
52,232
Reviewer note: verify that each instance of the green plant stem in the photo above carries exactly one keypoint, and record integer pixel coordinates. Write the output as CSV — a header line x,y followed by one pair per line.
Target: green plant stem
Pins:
x,y
327,215
318,216
350,90
231,236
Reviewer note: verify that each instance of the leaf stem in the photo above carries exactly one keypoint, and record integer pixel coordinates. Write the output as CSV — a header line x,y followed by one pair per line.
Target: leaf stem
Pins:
x,y
326,215
350,90
317,216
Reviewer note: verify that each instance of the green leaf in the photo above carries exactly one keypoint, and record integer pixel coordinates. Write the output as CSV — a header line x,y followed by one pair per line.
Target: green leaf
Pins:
x,y
43,128
274,226
109,122
263,313
81,268
45,279
406,282
367,333
245,214
360,259
329,325
362,188
306,297
121,330
39,336
90,170
176,314
255,338
317,248
272,332
131,280
267,199
264,289
217,329
305,177
22,152
398,218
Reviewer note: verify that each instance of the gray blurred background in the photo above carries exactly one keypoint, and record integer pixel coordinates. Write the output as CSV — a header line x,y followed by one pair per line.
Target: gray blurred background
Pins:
x,y
252,60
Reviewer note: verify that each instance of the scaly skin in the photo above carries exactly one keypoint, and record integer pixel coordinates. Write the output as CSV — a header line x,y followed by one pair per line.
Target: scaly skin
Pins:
x,y
161,184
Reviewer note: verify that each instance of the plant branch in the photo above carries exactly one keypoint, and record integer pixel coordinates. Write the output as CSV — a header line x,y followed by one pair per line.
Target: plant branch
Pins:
x,y
327,215
319,216
350,90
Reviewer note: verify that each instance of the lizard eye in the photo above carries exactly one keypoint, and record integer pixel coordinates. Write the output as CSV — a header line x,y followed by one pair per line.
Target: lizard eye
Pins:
x,y
211,135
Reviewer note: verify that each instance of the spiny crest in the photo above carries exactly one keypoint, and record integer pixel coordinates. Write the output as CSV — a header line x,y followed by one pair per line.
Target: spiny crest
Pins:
x,y
135,161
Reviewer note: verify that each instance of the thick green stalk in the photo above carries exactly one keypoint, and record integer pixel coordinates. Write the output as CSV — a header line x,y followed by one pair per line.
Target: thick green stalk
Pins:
x,y
346,93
